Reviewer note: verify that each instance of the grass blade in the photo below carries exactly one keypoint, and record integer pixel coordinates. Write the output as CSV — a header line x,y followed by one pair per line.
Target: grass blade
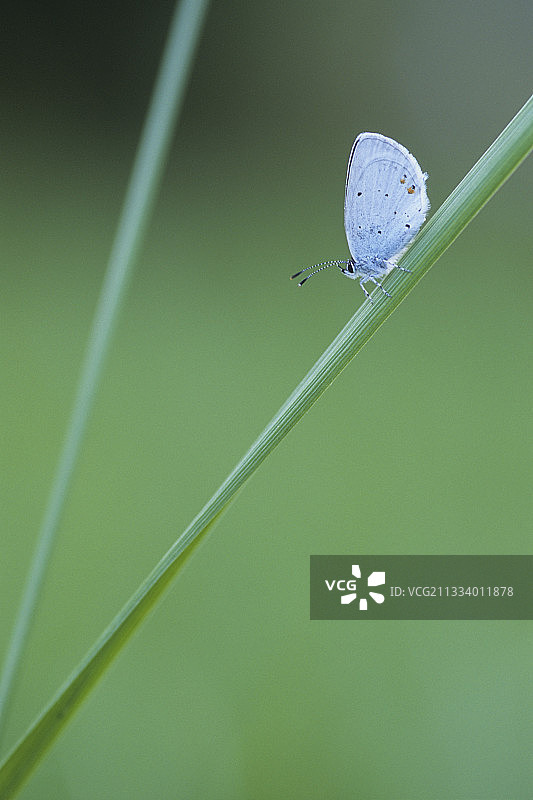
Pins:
x,y
494,167
144,182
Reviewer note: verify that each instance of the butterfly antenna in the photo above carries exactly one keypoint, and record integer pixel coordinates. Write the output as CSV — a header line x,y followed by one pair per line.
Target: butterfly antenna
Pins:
x,y
320,267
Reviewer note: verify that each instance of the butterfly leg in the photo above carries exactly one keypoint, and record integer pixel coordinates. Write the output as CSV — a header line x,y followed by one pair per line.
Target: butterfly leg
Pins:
x,y
364,290
380,286
402,268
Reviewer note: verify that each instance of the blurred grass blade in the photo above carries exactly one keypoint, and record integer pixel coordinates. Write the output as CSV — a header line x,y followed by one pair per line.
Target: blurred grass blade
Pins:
x,y
151,155
17,768
495,166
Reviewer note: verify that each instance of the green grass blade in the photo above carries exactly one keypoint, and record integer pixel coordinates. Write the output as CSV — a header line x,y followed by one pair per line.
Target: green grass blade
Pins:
x,y
151,155
495,166
18,767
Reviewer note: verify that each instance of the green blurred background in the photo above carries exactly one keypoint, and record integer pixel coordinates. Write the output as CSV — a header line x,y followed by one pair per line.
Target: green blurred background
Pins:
x,y
421,446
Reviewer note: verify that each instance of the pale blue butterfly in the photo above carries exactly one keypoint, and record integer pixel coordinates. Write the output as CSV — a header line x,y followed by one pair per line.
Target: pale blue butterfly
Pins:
x,y
385,205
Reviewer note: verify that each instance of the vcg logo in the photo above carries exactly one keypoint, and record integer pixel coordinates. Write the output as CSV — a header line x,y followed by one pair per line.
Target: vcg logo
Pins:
x,y
353,588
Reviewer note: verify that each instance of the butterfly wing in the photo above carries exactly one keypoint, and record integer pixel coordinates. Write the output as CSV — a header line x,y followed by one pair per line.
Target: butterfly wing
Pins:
x,y
385,201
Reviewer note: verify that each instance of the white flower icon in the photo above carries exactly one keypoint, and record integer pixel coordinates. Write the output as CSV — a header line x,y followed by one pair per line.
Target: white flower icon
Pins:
x,y
374,579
